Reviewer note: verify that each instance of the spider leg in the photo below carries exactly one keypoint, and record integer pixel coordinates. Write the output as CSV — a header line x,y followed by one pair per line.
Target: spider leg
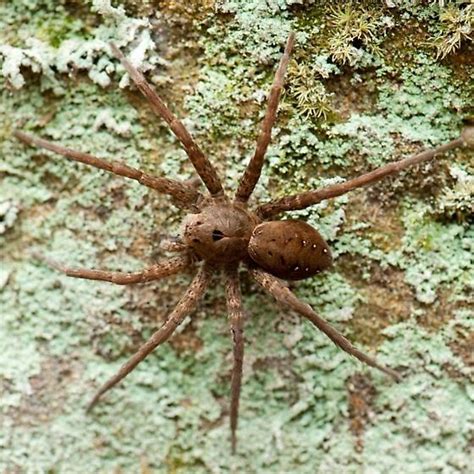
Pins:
x,y
202,165
155,272
235,310
309,198
283,295
173,245
184,194
254,168
186,304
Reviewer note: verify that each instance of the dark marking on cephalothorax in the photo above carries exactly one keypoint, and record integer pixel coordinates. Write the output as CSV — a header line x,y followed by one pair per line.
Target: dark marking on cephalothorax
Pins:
x,y
217,235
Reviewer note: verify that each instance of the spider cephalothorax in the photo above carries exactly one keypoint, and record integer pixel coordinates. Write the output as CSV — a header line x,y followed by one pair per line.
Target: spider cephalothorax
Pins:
x,y
221,232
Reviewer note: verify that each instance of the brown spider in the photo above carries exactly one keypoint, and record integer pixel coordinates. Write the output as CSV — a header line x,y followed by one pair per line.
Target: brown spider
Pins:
x,y
221,232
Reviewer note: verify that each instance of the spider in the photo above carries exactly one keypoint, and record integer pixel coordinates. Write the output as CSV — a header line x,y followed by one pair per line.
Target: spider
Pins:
x,y
222,232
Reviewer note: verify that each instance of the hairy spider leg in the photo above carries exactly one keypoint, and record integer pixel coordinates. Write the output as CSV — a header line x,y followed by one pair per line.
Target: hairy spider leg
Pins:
x,y
156,272
173,245
254,167
236,317
284,296
186,304
184,194
202,165
310,198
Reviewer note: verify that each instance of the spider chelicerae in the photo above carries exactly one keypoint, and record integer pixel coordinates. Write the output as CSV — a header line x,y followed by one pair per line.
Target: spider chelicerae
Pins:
x,y
221,232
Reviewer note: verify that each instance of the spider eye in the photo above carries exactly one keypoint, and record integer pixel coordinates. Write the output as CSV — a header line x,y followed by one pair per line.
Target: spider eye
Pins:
x,y
217,235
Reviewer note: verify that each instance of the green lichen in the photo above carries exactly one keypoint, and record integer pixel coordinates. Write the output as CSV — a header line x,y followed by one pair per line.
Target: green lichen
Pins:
x,y
400,288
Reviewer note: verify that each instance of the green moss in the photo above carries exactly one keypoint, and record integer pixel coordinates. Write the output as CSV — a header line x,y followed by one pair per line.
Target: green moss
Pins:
x,y
310,94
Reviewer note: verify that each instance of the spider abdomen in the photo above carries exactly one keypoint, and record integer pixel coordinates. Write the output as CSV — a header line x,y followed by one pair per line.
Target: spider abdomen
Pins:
x,y
289,249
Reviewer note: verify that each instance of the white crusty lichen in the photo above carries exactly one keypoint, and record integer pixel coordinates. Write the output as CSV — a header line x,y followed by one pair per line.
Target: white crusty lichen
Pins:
x,y
92,54
458,199
8,214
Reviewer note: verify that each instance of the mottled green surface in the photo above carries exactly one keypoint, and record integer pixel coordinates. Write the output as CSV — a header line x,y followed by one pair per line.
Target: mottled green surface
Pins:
x,y
369,82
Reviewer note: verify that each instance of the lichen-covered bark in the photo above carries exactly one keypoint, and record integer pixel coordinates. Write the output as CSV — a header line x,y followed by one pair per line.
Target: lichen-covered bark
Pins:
x,y
370,81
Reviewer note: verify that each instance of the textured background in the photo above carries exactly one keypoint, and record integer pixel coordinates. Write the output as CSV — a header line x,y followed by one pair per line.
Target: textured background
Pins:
x,y
370,82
